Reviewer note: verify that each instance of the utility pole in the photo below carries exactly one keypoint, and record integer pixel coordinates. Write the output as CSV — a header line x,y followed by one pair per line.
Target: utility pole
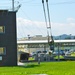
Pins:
x,y
12,5
58,52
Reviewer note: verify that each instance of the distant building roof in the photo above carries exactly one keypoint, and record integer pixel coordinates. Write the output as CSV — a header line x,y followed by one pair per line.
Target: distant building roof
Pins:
x,y
44,41
37,37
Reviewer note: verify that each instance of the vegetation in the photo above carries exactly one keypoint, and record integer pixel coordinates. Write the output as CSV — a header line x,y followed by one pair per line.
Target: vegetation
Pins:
x,y
48,68
31,58
73,54
60,56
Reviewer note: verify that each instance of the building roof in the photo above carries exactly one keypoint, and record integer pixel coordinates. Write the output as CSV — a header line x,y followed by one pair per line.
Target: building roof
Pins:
x,y
44,41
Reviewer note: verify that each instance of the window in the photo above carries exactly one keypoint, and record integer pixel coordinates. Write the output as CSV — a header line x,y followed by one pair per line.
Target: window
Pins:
x,y
2,29
2,51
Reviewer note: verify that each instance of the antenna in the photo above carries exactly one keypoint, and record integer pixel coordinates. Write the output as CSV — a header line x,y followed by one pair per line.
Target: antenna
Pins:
x,y
12,5
17,8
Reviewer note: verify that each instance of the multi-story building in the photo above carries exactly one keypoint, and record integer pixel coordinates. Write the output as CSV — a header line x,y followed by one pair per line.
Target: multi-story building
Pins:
x,y
8,42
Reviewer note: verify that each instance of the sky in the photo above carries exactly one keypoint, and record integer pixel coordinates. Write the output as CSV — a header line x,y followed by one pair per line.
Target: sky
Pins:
x,y
30,17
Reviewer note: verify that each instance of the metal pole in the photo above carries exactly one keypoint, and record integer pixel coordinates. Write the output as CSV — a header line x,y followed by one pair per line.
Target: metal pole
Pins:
x,y
58,52
38,58
12,5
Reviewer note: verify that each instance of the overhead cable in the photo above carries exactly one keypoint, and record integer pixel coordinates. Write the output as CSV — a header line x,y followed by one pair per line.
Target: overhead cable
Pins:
x,y
32,22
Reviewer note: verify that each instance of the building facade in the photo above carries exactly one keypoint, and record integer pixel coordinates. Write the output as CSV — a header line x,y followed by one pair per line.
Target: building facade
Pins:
x,y
8,39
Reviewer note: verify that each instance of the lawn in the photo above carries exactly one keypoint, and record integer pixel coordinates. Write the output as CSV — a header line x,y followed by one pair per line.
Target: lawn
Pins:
x,y
45,68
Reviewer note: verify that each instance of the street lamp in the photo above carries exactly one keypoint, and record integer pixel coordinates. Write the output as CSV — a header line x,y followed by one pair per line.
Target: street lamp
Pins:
x,y
70,36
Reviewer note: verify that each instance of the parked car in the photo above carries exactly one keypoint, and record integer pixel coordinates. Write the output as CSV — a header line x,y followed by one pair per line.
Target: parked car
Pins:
x,y
67,53
61,52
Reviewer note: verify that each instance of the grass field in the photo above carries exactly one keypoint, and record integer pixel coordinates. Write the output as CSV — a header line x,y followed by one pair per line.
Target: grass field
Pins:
x,y
45,68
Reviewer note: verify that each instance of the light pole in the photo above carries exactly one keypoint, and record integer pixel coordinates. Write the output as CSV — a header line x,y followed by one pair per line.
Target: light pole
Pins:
x,y
59,47
70,36
71,43
58,52
28,37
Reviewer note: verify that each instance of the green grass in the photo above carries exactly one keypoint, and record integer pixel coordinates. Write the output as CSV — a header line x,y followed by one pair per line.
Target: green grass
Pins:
x,y
49,68
31,58
60,56
73,54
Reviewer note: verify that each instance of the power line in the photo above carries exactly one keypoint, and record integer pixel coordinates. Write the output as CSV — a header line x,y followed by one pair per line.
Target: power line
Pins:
x,y
33,22
22,29
29,1
67,2
59,3
5,3
19,32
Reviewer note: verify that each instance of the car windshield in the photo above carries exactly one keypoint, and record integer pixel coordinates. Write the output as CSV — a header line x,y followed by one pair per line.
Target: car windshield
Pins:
x,y
44,51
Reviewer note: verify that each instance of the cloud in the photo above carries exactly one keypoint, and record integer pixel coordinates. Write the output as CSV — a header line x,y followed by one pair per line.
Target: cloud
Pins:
x,y
64,28
27,27
27,22
70,20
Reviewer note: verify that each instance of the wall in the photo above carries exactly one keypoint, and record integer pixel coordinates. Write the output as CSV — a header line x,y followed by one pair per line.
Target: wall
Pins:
x,y
8,38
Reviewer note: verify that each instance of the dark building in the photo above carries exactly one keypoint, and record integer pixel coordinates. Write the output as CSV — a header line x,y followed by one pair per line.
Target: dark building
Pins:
x,y
8,39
